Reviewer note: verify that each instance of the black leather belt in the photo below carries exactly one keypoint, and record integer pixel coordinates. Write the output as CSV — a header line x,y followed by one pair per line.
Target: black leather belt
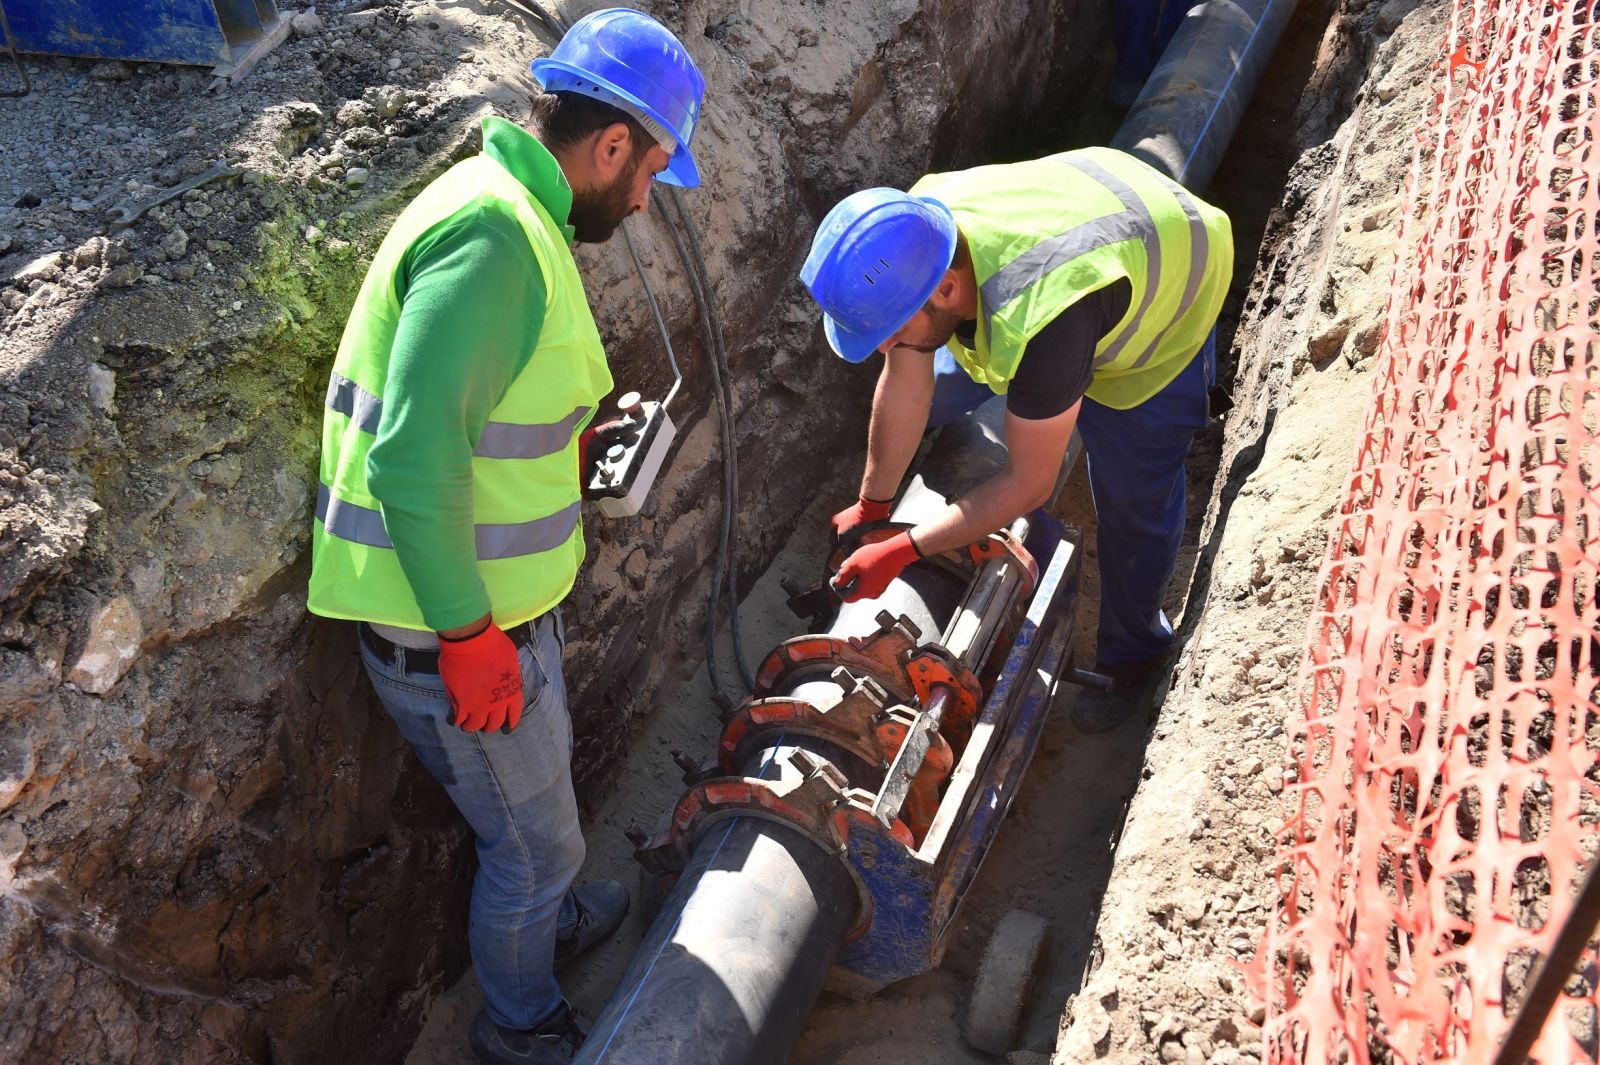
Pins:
x,y
426,659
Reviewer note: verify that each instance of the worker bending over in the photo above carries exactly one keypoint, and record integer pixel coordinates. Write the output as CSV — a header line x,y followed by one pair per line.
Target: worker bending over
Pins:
x,y
447,517
1084,288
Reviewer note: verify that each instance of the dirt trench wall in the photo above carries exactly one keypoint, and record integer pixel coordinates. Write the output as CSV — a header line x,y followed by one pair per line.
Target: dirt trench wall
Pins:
x,y
1193,879
213,845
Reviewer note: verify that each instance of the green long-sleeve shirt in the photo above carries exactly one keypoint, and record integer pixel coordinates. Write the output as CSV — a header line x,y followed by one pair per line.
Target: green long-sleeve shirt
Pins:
x,y
472,306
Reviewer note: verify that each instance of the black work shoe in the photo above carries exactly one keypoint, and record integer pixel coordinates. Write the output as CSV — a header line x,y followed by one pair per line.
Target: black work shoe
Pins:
x,y
554,1042
601,907
1132,685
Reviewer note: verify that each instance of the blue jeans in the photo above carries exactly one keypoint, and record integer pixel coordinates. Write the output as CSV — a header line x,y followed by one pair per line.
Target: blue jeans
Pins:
x,y
1136,477
516,792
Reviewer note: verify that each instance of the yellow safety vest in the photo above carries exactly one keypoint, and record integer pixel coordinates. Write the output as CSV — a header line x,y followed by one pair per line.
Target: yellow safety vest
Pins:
x,y
1045,233
525,487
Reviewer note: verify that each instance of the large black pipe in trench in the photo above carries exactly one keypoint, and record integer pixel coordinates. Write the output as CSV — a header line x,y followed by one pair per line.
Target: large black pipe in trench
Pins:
x,y
1192,102
738,953
735,959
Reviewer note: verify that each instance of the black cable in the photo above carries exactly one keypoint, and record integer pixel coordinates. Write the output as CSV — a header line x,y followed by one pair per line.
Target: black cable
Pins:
x,y
1553,972
724,379
549,20
694,270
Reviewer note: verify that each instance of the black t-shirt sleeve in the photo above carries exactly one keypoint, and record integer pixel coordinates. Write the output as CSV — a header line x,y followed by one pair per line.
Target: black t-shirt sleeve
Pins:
x,y
1058,364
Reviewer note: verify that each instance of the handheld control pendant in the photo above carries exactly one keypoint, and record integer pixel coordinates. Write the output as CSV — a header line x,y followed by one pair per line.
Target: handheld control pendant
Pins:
x,y
627,456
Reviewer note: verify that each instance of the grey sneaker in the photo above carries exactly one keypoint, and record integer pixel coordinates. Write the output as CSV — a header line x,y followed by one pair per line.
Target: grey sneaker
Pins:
x,y
1132,685
601,907
552,1043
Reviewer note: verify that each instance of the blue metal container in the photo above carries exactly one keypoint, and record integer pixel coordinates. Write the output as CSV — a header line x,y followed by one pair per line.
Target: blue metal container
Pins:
x,y
197,32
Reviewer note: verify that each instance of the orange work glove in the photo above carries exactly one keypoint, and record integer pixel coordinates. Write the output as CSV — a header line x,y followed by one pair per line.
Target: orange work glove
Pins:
x,y
483,680
870,568
860,512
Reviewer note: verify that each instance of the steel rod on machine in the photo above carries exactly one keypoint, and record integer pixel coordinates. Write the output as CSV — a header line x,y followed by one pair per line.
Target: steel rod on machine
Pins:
x,y
968,636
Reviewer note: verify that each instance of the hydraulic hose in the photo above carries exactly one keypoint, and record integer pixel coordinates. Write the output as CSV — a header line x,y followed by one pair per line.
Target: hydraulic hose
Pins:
x,y
725,575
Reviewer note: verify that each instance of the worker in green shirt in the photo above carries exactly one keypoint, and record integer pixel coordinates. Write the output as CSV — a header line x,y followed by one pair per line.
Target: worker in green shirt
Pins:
x,y
447,521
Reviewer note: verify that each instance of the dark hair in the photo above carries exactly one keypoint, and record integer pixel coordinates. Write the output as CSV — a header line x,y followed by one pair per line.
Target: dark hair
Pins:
x,y
960,259
565,119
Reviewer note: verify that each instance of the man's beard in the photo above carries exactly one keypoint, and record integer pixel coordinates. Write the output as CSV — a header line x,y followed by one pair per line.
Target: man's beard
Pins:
x,y
596,213
942,325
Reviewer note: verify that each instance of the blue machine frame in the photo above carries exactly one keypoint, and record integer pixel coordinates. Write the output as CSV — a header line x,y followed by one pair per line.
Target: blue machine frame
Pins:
x,y
917,893
198,32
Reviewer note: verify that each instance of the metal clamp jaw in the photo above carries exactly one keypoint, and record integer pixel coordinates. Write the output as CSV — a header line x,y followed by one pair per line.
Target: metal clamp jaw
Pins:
x,y
906,669
860,722
820,806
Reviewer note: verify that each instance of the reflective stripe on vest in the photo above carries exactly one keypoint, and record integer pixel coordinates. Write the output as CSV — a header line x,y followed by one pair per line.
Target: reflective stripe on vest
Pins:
x,y
1134,222
1027,269
363,525
354,402
1044,233
1199,248
500,440
1132,205
1199,252
526,522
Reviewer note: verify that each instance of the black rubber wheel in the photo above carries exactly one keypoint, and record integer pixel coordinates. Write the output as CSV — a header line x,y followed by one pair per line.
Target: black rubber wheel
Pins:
x,y
1000,990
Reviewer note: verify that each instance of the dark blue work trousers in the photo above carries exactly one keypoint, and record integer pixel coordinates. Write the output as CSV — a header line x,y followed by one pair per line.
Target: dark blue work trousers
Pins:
x,y
1141,30
1136,477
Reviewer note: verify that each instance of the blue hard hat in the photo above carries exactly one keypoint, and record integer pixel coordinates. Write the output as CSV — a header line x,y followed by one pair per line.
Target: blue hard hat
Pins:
x,y
631,61
874,262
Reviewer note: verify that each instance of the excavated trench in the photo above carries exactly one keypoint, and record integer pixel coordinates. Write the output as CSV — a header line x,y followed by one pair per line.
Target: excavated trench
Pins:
x,y
1055,855
210,833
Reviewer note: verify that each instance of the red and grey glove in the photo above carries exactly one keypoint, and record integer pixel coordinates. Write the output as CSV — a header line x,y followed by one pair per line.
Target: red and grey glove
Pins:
x,y
483,680
860,512
868,570
585,441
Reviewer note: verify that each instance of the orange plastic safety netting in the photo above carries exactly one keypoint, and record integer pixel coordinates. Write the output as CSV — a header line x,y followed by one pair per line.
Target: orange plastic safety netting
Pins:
x,y
1447,798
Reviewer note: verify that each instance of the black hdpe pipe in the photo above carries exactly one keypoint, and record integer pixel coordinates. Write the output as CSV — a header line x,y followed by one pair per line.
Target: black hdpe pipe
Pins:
x,y
737,956
735,959
1192,102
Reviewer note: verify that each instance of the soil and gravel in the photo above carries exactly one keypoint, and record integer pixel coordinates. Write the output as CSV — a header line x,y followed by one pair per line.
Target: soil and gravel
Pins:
x,y
208,831
1193,880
